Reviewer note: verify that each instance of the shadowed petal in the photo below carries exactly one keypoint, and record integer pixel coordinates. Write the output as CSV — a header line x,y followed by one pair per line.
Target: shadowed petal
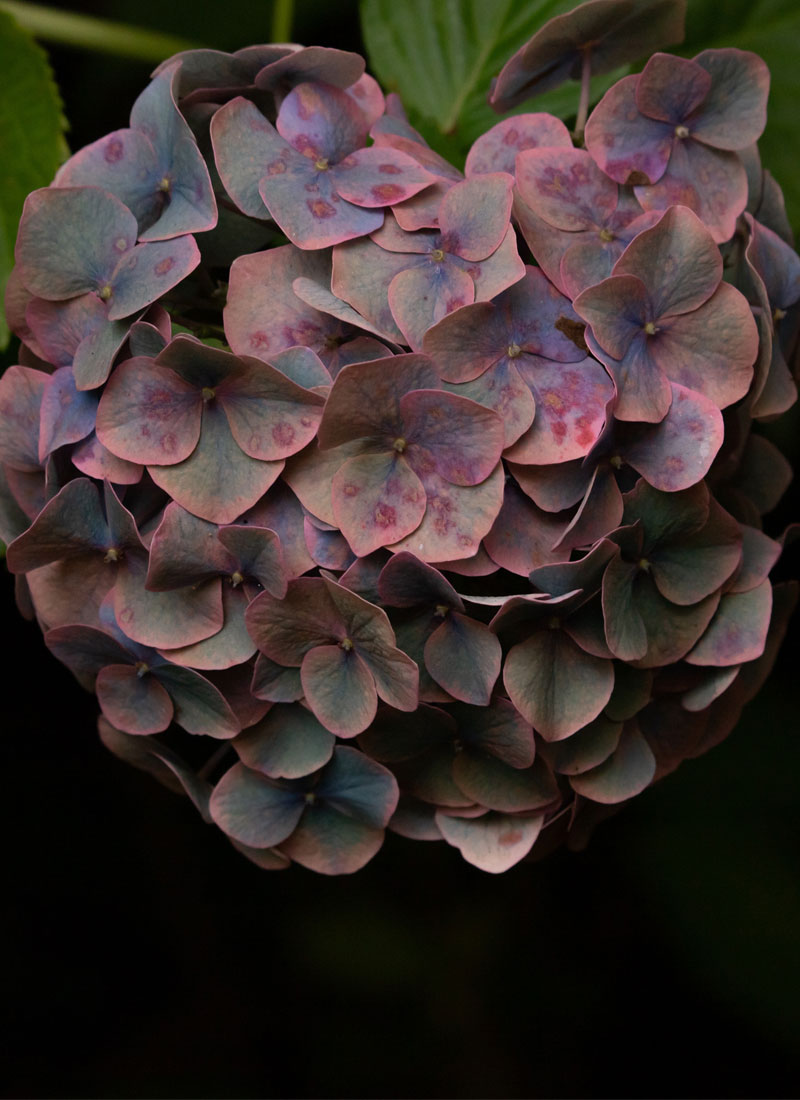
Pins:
x,y
555,685
340,689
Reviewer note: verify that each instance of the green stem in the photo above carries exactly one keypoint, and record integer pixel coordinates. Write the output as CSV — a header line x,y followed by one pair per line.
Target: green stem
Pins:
x,y
89,33
583,102
282,17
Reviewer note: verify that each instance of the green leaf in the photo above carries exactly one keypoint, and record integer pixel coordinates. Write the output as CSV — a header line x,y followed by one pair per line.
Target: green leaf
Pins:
x,y
770,28
31,134
440,56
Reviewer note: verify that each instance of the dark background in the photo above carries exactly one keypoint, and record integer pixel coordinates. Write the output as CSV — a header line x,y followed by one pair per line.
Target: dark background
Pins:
x,y
143,957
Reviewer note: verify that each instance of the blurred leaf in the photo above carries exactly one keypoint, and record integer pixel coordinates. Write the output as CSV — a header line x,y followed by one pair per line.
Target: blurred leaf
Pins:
x,y
770,28
86,32
31,134
440,56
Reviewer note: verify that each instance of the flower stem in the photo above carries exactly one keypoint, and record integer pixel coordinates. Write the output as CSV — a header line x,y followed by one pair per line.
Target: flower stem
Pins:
x,y
86,32
583,102
282,16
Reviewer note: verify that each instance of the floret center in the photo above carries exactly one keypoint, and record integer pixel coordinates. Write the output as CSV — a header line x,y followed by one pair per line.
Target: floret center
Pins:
x,y
400,445
321,164
236,579
208,394
616,461
606,235
105,292
441,610
681,131
112,555
514,350
644,565
311,798
650,328
346,644
165,184
554,623
142,668
778,314
437,255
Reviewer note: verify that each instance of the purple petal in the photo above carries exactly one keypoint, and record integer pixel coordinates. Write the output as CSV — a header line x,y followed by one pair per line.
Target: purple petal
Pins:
x,y
677,260
628,146
377,500
245,144
67,414
420,296
502,390
263,315
734,113
270,417
148,271
340,689
321,121
456,518
566,188
362,272
330,843
474,215
231,646
199,706
253,810
710,182
570,414
379,177
677,453
492,843
95,460
712,349
365,401
148,413
670,89
71,240
624,774
555,685
22,391
496,150
523,536
59,327
287,743
464,657
218,481
738,631
303,200
463,439
133,702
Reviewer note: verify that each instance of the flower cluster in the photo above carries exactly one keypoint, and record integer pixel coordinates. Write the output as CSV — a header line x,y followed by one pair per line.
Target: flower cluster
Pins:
x,y
433,497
